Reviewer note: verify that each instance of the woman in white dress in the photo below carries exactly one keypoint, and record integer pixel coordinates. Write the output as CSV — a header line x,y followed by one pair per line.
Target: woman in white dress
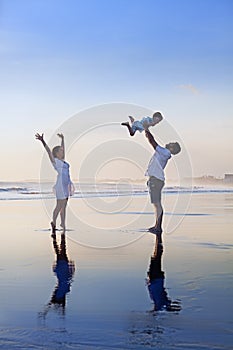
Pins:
x,y
63,187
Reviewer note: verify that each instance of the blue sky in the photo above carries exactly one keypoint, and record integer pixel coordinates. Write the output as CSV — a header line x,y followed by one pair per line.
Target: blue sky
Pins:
x,y
58,57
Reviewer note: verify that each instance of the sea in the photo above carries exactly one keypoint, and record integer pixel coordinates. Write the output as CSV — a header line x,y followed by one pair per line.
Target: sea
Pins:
x,y
105,303
44,190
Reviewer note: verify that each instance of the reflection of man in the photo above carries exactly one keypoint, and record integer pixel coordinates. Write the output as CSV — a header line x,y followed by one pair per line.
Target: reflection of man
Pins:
x,y
155,171
156,279
64,270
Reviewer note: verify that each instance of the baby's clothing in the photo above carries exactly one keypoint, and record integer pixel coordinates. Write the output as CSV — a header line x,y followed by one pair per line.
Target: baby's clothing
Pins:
x,y
137,125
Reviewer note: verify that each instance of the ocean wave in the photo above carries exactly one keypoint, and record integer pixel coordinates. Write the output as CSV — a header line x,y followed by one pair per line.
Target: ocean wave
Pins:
x,y
13,189
29,191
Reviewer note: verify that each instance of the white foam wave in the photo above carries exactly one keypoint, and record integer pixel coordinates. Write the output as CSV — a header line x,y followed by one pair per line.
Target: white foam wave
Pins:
x,y
35,191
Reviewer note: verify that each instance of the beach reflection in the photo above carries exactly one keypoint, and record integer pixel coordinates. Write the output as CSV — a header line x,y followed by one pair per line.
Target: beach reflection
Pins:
x,y
156,281
64,270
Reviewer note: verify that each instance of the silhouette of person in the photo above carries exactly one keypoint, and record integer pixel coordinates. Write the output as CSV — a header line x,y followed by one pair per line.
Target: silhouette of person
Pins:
x,y
155,283
64,270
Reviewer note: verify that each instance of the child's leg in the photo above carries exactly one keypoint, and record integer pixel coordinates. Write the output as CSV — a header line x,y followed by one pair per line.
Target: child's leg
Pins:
x,y
131,132
131,119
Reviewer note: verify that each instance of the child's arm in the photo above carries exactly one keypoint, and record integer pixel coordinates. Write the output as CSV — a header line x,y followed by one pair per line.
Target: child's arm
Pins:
x,y
151,139
41,138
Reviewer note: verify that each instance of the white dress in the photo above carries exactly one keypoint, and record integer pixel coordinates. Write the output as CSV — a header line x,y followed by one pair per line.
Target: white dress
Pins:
x,y
63,187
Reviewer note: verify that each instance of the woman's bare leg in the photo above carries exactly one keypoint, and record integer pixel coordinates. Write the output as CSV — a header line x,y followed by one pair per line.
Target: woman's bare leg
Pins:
x,y
63,213
56,211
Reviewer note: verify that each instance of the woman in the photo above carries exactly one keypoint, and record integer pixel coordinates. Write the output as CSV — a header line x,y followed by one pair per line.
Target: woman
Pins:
x,y
63,187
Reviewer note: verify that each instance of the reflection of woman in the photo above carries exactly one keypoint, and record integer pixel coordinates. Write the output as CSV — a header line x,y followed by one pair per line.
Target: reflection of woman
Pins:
x,y
64,270
63,187
156,279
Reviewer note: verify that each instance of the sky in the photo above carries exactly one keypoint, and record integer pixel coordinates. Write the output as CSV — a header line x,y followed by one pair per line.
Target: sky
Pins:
x,y
60,57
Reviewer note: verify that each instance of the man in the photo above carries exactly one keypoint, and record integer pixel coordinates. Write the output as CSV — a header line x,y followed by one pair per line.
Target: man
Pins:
x,y
155,171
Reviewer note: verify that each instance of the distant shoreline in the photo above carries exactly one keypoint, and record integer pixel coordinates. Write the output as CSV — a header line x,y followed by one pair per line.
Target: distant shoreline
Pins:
x,y
195,181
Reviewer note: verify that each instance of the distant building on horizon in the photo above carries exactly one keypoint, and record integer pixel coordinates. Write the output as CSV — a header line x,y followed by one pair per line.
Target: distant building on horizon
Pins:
x,y
228,178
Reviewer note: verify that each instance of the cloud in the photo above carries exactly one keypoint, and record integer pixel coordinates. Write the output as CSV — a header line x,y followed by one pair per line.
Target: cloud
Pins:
x,y
190,88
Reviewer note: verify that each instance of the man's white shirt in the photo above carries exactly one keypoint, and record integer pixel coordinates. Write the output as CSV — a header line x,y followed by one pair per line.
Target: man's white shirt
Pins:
x,y
158,162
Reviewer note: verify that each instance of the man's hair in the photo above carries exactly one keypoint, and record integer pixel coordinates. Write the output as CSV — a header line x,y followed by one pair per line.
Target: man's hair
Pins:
x,y
176,148
55,150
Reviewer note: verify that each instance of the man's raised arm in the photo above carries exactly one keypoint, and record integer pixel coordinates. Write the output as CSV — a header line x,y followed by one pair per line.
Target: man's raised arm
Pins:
x,y
151,139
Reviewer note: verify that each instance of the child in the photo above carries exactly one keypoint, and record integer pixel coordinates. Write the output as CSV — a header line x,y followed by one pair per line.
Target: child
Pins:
x,y
143,124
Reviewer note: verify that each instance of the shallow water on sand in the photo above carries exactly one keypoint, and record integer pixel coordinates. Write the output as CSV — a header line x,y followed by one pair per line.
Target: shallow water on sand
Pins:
x,y
107,304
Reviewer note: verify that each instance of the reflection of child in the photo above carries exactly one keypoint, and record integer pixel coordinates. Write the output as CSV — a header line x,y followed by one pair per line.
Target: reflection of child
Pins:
x,y
143,124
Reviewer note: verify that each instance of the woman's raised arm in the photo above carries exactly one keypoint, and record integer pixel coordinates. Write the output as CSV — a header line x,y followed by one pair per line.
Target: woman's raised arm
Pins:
x,y
41,138
62,142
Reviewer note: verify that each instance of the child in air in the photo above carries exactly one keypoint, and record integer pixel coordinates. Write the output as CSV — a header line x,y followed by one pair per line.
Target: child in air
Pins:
x,y
143,124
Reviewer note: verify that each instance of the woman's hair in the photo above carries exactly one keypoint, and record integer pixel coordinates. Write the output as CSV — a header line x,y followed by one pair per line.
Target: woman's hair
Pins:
x,y
55,150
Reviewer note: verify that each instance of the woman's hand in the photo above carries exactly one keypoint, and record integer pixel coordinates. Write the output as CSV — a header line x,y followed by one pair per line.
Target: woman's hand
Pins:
x,y
40,137
61,136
